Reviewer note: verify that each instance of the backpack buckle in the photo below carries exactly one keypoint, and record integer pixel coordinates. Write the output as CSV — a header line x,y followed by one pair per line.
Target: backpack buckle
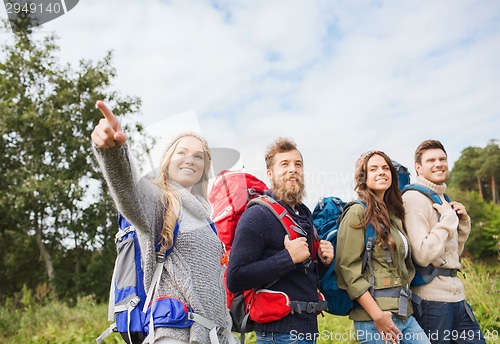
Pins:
x,y
369,244
134,301
252,192
160,257
296,309
307,262
311,307
406,293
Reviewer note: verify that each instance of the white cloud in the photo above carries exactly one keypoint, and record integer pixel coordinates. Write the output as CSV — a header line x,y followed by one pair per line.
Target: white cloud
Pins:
x,y
340,77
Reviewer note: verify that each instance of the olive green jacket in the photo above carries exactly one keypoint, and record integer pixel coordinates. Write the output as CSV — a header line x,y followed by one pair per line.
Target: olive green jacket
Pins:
x,y
349,257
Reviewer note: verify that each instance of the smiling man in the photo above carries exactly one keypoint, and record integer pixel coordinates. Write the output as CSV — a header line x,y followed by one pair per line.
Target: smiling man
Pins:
x,y
263,256
438,234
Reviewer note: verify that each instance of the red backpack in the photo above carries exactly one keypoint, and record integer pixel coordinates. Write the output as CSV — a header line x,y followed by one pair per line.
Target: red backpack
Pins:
x,y
232,192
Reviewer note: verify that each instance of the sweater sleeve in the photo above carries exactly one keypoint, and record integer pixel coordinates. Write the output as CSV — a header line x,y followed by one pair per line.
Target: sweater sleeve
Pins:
x,y
350,249
136,199
258,256
428,236
464,228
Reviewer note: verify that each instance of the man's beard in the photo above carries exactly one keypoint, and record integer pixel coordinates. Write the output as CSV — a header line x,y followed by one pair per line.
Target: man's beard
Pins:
x,y
291,194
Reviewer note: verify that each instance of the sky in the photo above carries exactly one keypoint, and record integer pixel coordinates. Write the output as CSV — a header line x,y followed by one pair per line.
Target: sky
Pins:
x,y
338,77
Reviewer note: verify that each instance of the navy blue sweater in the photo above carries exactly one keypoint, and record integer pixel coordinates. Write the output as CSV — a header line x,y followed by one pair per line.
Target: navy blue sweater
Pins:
x,y
258,258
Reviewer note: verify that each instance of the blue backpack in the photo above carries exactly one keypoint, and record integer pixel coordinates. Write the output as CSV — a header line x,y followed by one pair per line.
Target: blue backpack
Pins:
x,y
425,274
131,307
403,174
327,216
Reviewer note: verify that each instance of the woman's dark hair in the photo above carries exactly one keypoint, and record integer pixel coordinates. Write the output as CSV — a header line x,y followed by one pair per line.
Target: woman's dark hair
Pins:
x,y
377,213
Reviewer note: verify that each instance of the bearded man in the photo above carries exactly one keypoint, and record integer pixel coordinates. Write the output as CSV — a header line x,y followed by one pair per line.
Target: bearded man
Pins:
x,y
263,256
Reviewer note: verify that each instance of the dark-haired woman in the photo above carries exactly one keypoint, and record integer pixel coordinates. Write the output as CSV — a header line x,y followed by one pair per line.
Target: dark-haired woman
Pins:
x,y
380,285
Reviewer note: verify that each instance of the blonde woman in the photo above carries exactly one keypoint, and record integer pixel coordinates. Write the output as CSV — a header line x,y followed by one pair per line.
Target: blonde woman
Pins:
x,y
192,272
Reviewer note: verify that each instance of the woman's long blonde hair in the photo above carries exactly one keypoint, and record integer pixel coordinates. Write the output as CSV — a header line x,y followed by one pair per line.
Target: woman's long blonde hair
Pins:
x,y
171,198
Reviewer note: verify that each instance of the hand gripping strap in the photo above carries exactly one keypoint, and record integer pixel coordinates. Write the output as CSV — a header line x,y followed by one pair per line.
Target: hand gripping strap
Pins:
x,y
291,227
429,193
427,273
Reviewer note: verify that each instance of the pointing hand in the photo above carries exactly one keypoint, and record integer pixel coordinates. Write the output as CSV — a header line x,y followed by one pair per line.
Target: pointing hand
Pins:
x,y
108,133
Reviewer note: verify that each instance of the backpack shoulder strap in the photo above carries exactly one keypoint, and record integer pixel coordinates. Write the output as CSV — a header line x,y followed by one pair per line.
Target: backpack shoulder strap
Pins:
x,y
125,226
431,194
448,199
160,260
212,225
291,227
370,236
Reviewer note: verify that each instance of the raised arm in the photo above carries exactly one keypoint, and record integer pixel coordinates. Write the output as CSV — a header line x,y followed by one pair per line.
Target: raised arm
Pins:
x,y
137,199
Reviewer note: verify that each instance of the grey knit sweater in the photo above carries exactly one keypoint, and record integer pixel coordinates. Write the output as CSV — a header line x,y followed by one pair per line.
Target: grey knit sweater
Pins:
x,y
192,272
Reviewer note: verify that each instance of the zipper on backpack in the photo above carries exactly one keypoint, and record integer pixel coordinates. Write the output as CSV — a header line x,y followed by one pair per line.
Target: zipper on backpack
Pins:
x,y
223,213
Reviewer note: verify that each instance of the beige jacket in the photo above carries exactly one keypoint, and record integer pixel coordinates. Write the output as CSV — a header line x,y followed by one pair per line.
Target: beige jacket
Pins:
x,y
435,241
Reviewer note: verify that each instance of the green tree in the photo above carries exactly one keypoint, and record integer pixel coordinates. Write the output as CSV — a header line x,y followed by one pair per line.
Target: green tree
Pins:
x,y
485,223
478,169
490,169
57,218
465,170
474,182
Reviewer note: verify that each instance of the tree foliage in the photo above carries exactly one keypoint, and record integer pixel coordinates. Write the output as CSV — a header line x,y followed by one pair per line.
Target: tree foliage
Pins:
x,y
478,169
474,182
485,223
57,218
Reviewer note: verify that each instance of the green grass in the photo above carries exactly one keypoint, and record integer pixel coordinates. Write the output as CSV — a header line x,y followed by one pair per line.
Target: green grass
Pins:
x,y
335,329
55,322
482,288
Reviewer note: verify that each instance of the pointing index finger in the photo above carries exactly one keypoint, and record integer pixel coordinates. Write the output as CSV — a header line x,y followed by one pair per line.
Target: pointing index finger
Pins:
x,y
108,114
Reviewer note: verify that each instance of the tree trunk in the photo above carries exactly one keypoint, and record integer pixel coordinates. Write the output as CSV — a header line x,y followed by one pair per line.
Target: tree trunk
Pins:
x,y
47,259
77,266
479,186
494,190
